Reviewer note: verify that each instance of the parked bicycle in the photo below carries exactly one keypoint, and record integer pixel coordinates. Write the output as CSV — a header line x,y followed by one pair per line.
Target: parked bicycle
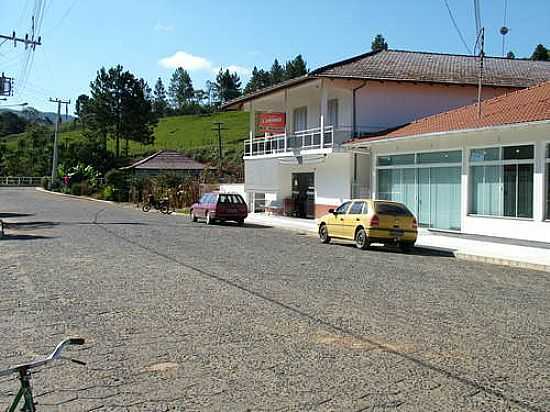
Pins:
x,y
25,374
162,204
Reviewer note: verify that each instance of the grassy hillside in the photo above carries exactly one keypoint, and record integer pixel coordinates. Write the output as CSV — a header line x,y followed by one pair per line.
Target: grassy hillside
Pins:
x,y
183,133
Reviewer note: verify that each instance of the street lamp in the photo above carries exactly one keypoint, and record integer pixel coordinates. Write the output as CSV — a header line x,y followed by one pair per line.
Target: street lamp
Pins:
x,y
15,104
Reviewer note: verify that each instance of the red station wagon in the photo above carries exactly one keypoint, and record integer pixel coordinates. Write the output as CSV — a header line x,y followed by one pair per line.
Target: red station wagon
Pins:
x,y
216,206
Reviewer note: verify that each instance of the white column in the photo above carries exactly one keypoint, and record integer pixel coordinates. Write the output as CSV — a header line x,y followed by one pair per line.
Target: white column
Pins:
x,y
465,187
539,198
286,121
252,124
324,110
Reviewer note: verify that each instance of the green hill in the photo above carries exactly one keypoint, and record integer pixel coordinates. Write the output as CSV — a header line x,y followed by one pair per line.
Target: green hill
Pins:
x,y
190,133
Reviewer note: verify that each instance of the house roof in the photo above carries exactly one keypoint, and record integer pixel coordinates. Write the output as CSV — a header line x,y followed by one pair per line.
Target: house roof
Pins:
x,y
167,160
414,66
521,106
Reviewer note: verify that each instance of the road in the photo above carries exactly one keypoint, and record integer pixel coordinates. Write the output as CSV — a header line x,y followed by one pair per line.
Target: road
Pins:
x,y
185,316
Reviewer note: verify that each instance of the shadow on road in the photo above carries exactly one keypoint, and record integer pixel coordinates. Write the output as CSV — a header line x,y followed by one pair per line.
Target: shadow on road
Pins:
x,y
12,214
416,251
18,236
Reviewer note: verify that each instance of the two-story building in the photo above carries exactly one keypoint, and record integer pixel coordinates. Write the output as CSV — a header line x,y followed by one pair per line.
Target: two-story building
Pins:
x,y
301,166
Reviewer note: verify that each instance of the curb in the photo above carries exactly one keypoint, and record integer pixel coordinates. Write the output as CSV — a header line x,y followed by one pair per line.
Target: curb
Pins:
x,y
91,199
502,261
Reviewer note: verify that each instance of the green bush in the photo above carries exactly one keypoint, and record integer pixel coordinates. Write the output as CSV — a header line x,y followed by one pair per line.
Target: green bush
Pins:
x,y
80,188
107,193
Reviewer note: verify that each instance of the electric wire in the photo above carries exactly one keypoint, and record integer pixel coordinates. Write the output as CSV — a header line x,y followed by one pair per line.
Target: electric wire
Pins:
x,y
468,50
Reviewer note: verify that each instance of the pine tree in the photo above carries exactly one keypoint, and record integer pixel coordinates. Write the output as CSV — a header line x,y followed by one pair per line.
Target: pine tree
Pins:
x,y
277,72
541,53
160,102
180,89
379,43
227,86
295,68
510,55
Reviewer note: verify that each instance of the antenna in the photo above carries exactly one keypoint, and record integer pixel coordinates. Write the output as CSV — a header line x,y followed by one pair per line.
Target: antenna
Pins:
x,y
504,29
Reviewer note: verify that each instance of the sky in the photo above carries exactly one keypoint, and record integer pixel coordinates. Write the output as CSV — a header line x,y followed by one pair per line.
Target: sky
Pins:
x,y
151,38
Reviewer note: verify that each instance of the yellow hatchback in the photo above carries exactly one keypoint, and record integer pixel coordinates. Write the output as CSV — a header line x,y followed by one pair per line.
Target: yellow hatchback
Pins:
x,y
369,221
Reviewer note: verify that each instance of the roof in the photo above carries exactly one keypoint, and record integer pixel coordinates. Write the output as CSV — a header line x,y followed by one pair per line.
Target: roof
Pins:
x,y
521,106
414,66
167,160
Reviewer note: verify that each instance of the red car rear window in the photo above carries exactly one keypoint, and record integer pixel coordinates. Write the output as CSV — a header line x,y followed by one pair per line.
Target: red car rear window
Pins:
x,y
228,198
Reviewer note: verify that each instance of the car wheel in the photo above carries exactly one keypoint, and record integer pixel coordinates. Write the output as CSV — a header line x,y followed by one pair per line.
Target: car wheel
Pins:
x,y
193,217
323,234
406,247
361,239
240,222
209,220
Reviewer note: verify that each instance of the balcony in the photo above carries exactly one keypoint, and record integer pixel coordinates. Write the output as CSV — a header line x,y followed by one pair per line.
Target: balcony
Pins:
x,y
297,142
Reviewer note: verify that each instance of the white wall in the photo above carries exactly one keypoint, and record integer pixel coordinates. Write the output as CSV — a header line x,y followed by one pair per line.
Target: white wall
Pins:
x,y
537,228
261,175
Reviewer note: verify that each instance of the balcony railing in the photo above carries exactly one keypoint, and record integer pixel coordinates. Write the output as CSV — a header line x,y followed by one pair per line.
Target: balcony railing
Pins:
x,y
309,139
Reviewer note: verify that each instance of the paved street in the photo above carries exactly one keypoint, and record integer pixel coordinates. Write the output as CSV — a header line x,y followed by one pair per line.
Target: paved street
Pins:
x,y
184,316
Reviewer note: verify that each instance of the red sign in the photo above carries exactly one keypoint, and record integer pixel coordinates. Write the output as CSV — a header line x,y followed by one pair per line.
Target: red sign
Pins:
x,y
271,122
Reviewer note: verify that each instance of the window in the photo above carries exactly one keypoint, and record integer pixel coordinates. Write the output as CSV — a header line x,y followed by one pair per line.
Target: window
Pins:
x,y
333,113
440,157
356,208
259,202
230,198
342,208
300,118
548,181
502,181
392,209
404,159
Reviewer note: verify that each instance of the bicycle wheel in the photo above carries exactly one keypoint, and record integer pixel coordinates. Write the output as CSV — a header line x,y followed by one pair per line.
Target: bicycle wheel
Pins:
x,y
146,207
164,209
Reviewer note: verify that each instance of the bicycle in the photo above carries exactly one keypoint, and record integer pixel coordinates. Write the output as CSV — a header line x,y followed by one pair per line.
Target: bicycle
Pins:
x,y
25,374
162,205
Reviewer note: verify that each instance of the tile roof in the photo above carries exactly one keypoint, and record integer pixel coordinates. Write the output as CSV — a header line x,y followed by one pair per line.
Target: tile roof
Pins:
x,y
522,106
439,68
414,66
167,160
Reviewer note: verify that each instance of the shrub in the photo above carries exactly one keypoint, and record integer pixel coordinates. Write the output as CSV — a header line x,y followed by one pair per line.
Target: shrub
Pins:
x,y
80,188
44,183
107,193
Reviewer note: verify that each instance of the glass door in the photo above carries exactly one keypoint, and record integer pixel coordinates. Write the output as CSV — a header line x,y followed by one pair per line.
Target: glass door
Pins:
x,y
424,197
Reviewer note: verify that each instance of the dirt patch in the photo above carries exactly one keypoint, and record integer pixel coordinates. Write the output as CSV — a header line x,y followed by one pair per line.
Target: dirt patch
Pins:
x,y
161,367
373,344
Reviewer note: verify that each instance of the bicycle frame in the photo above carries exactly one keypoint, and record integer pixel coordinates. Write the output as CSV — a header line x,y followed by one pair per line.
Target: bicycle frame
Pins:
x,y
25,374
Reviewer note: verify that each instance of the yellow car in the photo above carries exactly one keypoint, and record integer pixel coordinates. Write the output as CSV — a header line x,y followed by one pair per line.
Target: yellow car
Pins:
x,y
369,221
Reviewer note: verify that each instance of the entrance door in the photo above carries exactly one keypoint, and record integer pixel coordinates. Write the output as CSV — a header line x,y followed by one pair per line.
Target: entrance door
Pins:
x,y
303,194
439,197
424,197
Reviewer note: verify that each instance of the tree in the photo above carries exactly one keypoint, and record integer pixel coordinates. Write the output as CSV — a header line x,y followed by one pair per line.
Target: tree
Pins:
x,y
119,107
379,43
510,55
295,68
541,53
11,123
258,80
277,72
180,89
160,102
227,86
80,108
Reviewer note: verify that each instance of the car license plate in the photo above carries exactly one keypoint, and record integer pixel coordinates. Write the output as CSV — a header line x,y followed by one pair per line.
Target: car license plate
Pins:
x,y
397,232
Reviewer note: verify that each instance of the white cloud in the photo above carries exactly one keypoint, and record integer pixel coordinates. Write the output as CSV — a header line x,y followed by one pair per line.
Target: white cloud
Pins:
x,y
186,61
164,27
190,62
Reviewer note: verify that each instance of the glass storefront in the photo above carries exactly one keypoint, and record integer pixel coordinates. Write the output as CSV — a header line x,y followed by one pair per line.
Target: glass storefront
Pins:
x,y
502,181
428,183
548,181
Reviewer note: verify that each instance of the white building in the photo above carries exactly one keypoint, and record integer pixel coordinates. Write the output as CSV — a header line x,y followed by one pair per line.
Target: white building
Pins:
x,y
304,169
485,174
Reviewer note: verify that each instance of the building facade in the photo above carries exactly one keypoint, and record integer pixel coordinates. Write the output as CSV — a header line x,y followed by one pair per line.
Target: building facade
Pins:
x,y
303,169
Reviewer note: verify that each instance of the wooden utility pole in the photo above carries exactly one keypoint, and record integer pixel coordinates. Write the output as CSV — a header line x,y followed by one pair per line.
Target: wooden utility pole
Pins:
x,y
480,83
219,127
55,155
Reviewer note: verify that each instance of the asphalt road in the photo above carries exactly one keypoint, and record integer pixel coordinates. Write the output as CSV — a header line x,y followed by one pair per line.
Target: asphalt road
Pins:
x,y
185,316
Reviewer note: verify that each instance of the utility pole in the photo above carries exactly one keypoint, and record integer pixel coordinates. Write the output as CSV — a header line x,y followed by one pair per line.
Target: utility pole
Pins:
x,y
54,159
481,38
219,127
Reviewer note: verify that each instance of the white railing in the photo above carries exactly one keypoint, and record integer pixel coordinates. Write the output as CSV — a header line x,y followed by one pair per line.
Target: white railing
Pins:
x,y
287,143
20,181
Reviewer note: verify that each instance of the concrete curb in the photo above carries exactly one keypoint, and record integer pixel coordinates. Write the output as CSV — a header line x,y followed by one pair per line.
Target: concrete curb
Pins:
x,y
91,199
501,261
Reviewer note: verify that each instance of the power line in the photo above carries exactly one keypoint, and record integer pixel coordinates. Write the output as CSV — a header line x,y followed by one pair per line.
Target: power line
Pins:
x,y
468,50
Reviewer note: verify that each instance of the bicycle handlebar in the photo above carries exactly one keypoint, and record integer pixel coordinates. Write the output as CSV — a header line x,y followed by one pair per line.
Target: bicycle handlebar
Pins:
x,y
56,354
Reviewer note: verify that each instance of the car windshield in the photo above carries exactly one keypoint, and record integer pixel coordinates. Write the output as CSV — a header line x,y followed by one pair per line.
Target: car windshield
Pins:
x,y
393,209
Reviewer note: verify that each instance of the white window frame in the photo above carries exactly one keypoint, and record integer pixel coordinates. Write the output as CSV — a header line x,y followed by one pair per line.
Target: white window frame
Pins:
x,y
335,105
294,118
546,174
500,163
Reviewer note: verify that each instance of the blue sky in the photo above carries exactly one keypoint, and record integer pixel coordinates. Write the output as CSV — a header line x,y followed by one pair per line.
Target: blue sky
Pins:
x,y
151,37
